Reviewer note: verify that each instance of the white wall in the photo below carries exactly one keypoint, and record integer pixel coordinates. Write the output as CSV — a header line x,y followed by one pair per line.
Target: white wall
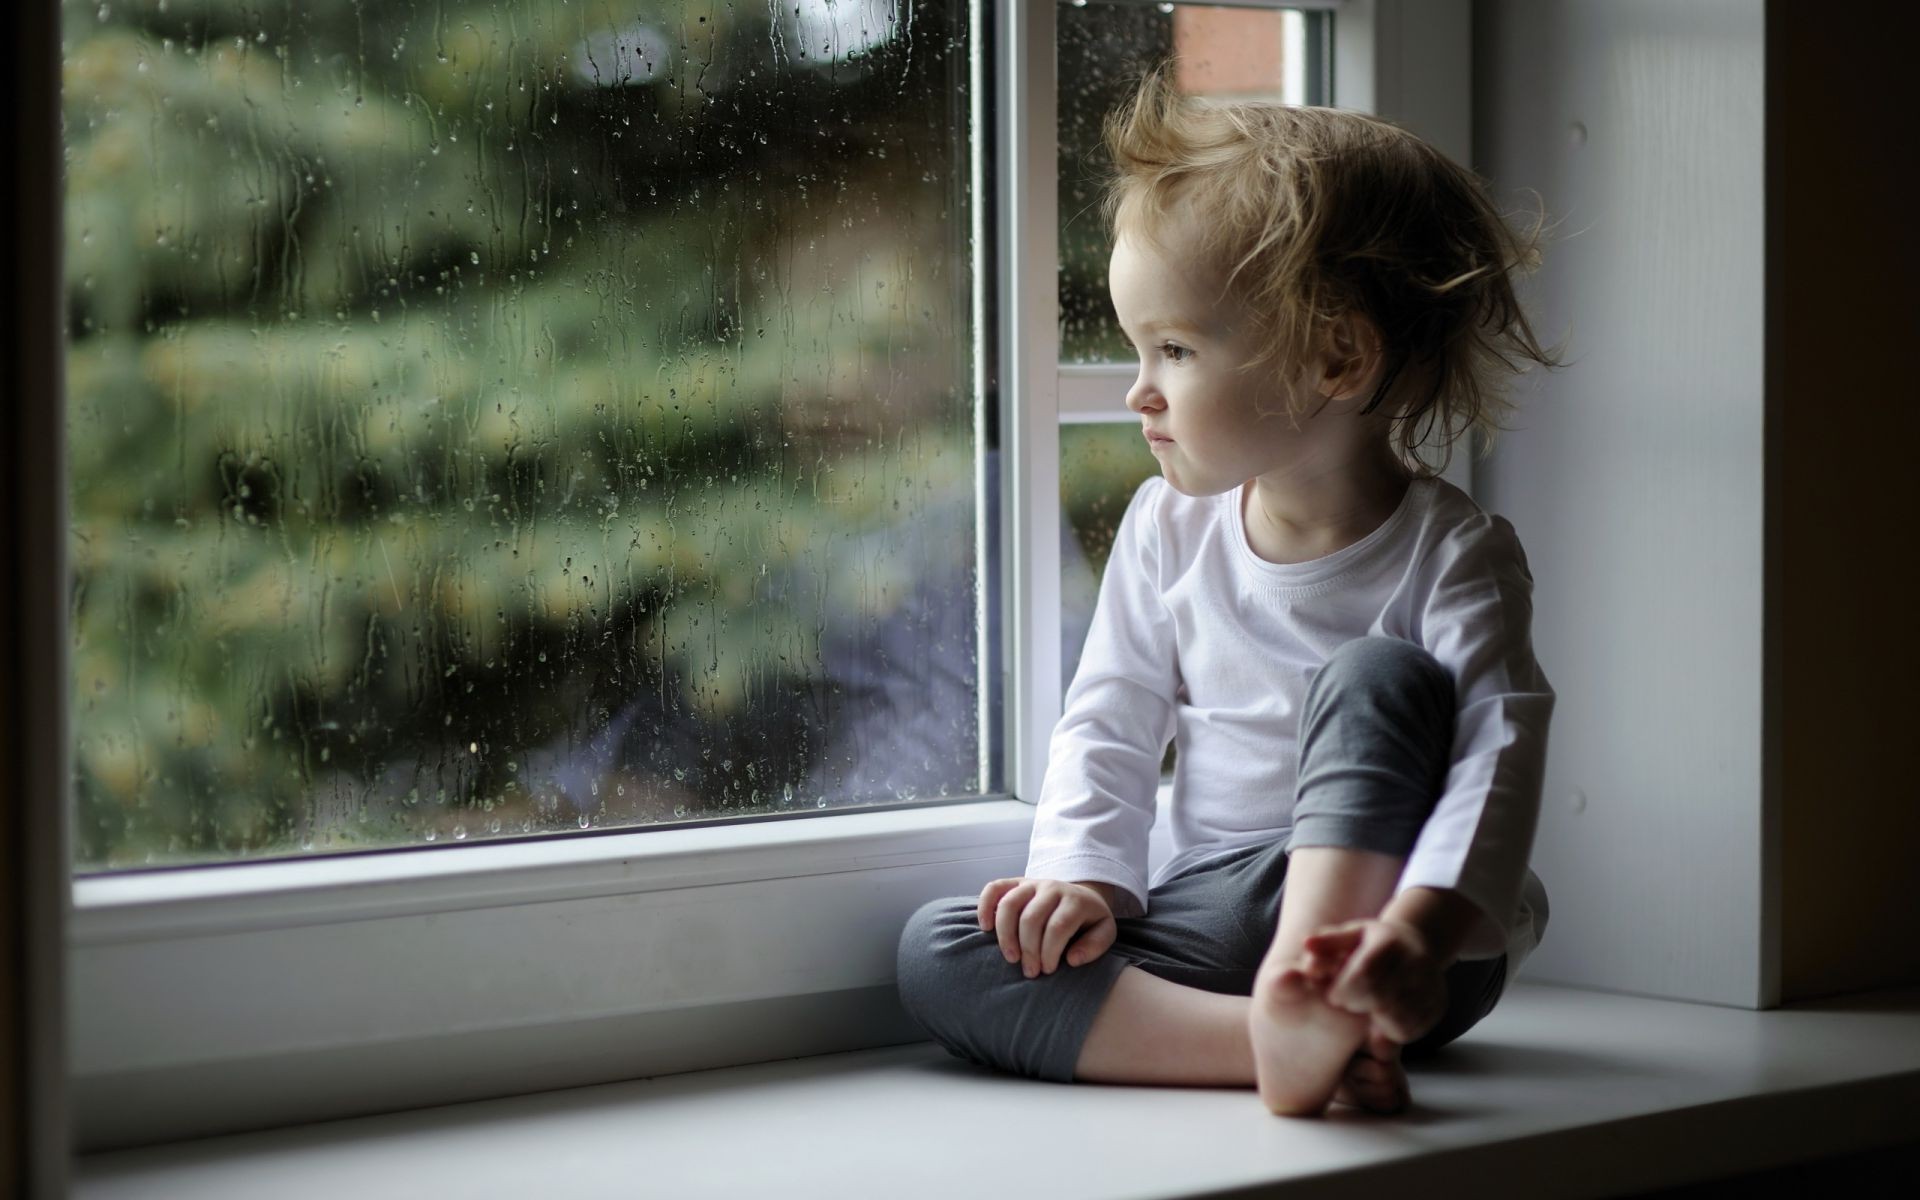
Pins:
x,y
1635,478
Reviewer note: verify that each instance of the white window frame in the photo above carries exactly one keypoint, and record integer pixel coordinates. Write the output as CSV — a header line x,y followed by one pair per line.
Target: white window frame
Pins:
x,y
244,996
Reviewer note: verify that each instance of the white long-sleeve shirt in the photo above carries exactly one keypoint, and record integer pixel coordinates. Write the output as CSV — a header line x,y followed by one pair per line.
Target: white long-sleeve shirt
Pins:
x,y
1195,636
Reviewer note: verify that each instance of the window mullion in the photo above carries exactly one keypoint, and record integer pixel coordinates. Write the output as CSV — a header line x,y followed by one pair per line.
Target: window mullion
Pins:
x,y
1029,336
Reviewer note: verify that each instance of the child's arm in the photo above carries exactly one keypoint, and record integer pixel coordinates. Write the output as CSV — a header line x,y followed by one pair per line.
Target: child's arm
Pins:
x,y
1477,621
1096,804
1462,880
1087,858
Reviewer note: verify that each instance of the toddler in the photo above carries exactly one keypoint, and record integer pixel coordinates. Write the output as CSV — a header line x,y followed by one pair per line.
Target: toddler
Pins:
x,y
1337,638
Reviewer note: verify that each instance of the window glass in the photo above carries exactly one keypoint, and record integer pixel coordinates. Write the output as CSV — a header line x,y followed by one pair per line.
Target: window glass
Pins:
x,y
1105,47
1101,466
489,419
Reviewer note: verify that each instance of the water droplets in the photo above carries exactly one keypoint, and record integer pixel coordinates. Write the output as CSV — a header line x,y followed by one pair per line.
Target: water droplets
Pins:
x,y
477,339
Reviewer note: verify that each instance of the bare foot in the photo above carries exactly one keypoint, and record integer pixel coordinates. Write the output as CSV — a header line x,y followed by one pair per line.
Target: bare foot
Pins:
x,y
1375,1080
1301,1044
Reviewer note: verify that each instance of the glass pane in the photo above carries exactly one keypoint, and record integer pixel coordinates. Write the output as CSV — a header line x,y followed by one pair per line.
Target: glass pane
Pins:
x,y
492,418
1101,467
1106,46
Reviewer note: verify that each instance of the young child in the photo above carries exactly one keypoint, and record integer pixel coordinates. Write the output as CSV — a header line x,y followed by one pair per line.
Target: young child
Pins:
x,y
1337,637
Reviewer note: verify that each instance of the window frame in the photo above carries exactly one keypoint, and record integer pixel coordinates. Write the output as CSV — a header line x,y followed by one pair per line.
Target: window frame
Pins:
x,y
216,999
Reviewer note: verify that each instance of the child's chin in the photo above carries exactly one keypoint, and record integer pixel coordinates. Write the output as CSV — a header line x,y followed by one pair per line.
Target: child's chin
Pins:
x,y
1191,490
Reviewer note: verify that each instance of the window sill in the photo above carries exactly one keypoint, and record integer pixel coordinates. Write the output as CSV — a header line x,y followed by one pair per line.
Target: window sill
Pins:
x,y
218,1000
1560,1091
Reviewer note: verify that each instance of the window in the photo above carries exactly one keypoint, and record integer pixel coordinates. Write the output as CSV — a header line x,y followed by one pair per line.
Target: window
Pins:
x,y
490,422
215,997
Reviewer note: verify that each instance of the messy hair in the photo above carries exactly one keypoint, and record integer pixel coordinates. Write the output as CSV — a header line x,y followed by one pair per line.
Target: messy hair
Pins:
x,y
1318,213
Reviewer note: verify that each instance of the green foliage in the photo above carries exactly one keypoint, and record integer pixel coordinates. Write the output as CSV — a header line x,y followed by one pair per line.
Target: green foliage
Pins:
x,y
437,371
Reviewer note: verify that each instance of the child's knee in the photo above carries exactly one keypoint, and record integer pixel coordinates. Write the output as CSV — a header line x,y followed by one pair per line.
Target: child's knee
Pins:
x,y
1383,668
930,960
1376,742
955,983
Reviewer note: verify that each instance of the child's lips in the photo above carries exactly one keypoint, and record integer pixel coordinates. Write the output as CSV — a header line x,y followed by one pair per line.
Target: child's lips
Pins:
x,y
1156,439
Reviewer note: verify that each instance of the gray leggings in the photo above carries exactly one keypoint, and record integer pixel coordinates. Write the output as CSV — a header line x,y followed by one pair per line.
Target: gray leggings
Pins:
x,y
1376,740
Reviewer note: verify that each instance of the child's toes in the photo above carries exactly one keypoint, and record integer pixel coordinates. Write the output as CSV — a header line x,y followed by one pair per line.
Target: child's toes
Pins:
x,y
1322,969
1297,983
1377,1087
1382,1047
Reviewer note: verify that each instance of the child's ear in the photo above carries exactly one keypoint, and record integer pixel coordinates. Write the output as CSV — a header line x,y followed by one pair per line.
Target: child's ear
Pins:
x,y
1350,359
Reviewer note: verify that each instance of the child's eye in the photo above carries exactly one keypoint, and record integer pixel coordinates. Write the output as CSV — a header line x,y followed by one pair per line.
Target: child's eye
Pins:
x,y
1173,353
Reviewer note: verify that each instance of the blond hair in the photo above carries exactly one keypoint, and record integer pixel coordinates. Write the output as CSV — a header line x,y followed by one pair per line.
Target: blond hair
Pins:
x,y
1317,213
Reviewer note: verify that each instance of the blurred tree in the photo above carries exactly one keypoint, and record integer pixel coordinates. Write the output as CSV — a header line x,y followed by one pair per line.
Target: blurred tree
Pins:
x,y
488,417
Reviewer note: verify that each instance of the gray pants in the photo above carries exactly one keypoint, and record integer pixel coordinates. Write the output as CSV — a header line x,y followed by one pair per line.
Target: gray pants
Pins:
x,y
1375,745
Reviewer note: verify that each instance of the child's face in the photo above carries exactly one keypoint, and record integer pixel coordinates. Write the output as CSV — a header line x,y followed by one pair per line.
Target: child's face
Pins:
x,y
1191,340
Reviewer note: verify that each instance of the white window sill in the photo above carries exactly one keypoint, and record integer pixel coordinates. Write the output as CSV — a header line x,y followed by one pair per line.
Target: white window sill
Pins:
x,y
218,1000
222,999
1560,1091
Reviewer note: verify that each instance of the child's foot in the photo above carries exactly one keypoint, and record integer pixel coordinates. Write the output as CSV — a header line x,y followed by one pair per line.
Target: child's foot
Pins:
x,y
1375,1080
1301,1044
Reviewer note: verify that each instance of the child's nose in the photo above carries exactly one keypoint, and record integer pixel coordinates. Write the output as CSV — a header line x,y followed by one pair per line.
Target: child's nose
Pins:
x,y
1143,396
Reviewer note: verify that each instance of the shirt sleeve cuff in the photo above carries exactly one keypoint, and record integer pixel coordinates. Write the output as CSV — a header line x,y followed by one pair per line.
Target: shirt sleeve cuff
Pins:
x,y
1092,868
1488,936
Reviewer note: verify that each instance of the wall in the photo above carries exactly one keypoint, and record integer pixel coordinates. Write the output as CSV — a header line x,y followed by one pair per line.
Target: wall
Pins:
x,y
1635,477
1843,425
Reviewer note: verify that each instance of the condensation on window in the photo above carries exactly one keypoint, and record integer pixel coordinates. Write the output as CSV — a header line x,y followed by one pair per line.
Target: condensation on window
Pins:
x,y
491,418
1214,52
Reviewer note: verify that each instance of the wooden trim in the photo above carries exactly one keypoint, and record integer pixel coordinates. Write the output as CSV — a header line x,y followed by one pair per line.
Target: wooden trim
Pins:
x,y
33,851
1841,426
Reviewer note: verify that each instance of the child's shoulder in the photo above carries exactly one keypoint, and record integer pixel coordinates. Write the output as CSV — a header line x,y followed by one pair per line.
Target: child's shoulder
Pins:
x,y
1459,534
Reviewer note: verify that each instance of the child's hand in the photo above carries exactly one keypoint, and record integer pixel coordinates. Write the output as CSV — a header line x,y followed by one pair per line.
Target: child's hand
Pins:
x,y
1381,969
1036,918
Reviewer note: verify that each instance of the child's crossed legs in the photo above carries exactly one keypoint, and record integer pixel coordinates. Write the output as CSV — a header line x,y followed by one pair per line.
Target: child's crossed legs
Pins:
x,y
1376,736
